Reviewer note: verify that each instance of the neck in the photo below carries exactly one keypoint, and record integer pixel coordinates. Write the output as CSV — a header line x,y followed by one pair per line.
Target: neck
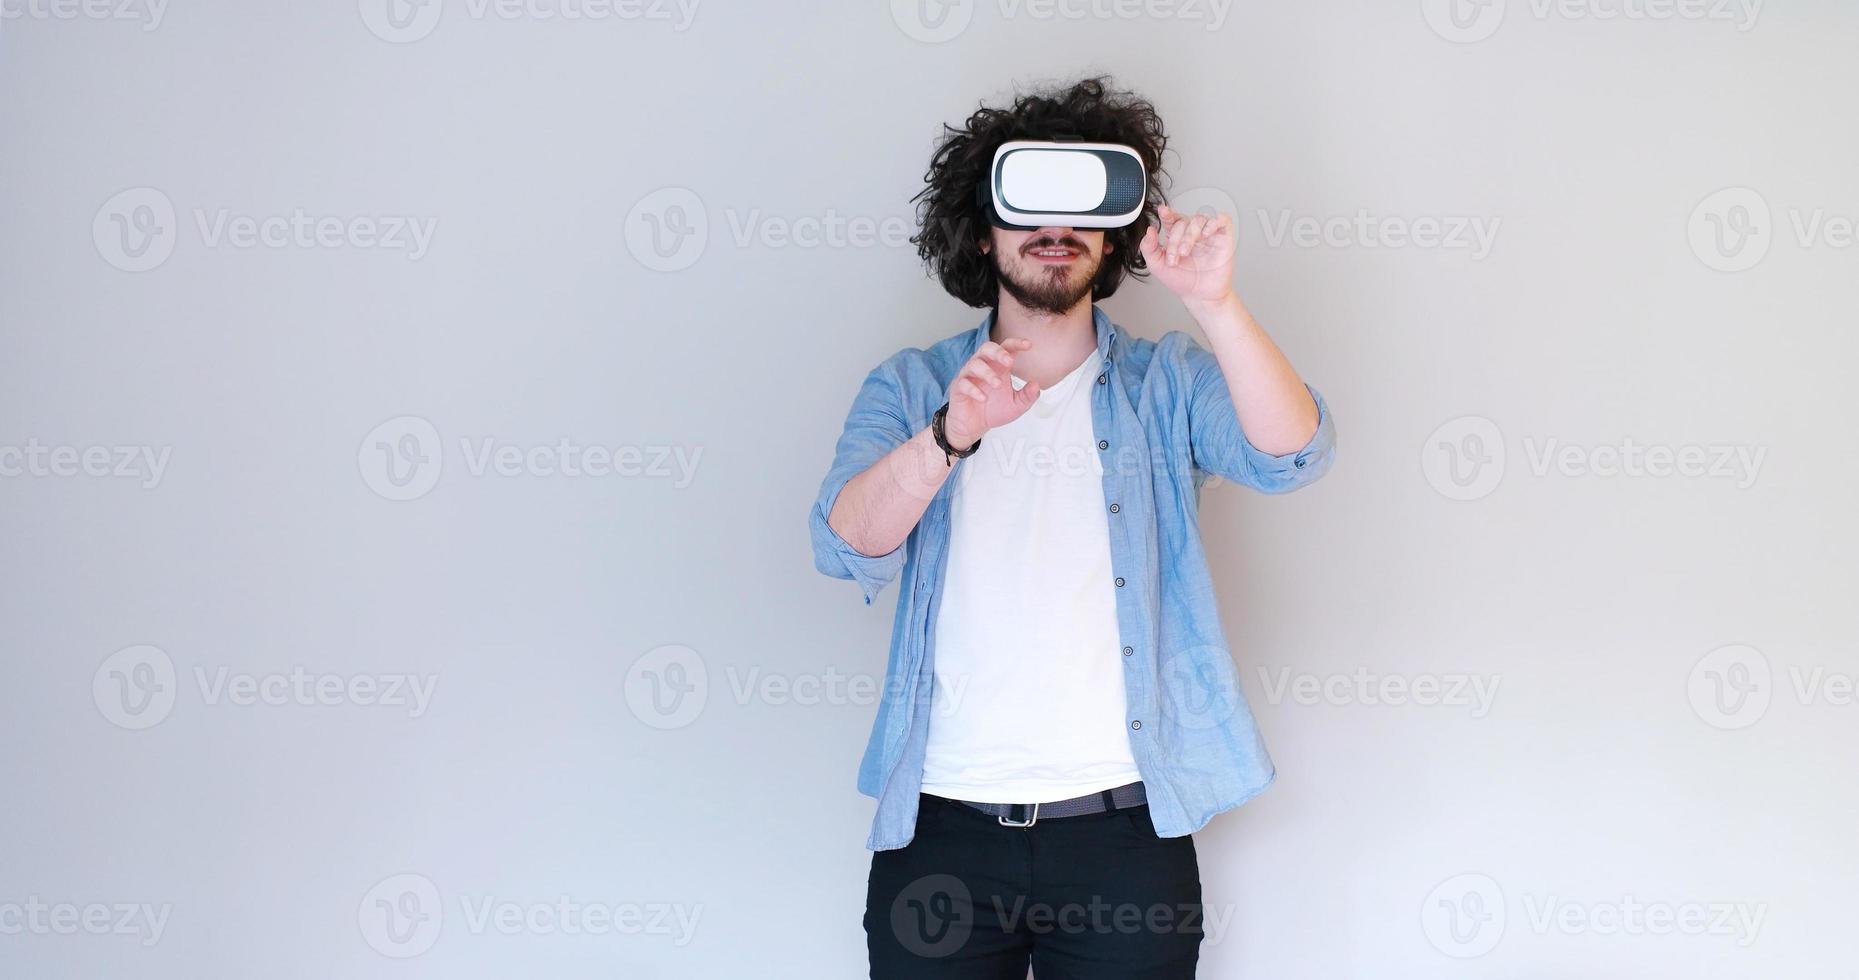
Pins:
x,y
1061,341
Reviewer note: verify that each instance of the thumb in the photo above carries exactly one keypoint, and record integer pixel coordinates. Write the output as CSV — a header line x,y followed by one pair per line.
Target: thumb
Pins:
x,y
1026,396
1149,247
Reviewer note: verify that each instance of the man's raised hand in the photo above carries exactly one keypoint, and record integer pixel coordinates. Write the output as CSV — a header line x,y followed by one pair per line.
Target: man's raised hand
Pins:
x,y
982,395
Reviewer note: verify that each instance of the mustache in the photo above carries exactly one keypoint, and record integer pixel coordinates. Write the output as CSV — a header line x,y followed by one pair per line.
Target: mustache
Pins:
x,y
1049,242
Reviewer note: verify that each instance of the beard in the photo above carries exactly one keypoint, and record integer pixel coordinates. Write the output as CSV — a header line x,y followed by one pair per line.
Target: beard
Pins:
x,y
1053,290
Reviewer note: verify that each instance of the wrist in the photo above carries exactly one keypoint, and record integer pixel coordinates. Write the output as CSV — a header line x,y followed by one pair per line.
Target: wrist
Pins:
x,y
1204,309
954,443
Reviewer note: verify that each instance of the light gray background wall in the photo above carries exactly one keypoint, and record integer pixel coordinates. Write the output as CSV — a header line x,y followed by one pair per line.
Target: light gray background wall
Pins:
x,y
203,658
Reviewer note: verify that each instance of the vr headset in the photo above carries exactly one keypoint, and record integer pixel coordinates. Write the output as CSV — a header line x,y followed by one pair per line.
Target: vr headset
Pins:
x,y
1033,184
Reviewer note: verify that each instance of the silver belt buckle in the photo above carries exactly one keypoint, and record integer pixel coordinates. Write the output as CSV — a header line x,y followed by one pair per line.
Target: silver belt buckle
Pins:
x,y
1034,818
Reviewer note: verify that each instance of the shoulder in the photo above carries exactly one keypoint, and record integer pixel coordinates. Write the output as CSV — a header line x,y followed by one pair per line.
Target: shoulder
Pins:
x,y
1177,353
1179,345
939,361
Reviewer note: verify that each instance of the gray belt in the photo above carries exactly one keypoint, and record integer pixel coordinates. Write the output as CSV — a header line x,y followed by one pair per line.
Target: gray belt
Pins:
x,y
1027,814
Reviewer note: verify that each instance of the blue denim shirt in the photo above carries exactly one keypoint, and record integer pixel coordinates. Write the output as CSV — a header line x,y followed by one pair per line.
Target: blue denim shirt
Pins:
x,y
1165,423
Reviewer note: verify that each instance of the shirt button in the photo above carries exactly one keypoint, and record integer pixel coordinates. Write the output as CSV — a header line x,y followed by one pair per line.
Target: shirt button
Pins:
x,y
1137,725
1103,379
1113,508
1119,581
1128,650
1103,444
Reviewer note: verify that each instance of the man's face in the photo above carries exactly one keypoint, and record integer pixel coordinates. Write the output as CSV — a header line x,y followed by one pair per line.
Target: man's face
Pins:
x,y
1048,270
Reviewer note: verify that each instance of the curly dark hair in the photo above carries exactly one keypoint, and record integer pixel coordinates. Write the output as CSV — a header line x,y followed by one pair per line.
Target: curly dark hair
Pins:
x,y
952,225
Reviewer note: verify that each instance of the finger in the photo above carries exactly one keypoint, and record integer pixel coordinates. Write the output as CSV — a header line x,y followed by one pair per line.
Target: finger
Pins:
x,y
1190,236
1018,345
1170,224
966,389
1027,395
1196,233
1002,355
981,373
1147,244
998,357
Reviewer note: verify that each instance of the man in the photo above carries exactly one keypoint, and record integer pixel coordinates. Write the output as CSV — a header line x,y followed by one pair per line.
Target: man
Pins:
x,y
1061,711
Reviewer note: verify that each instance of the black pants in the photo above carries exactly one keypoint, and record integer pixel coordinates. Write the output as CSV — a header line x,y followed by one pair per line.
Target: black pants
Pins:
x,y
1093,895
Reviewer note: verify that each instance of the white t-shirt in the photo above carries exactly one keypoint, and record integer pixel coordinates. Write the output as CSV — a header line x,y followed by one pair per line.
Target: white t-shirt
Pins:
x,y
1029,698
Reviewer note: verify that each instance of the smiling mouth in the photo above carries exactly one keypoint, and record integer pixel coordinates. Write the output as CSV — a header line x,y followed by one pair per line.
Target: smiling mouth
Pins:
x,y
1053,253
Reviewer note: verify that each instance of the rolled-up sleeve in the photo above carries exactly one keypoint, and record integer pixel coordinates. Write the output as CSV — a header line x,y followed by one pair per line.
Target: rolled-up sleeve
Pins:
x,y
873,428
1219,444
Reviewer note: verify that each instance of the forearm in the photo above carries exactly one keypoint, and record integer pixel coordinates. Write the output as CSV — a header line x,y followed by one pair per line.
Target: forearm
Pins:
x,y
876,509
1275,410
